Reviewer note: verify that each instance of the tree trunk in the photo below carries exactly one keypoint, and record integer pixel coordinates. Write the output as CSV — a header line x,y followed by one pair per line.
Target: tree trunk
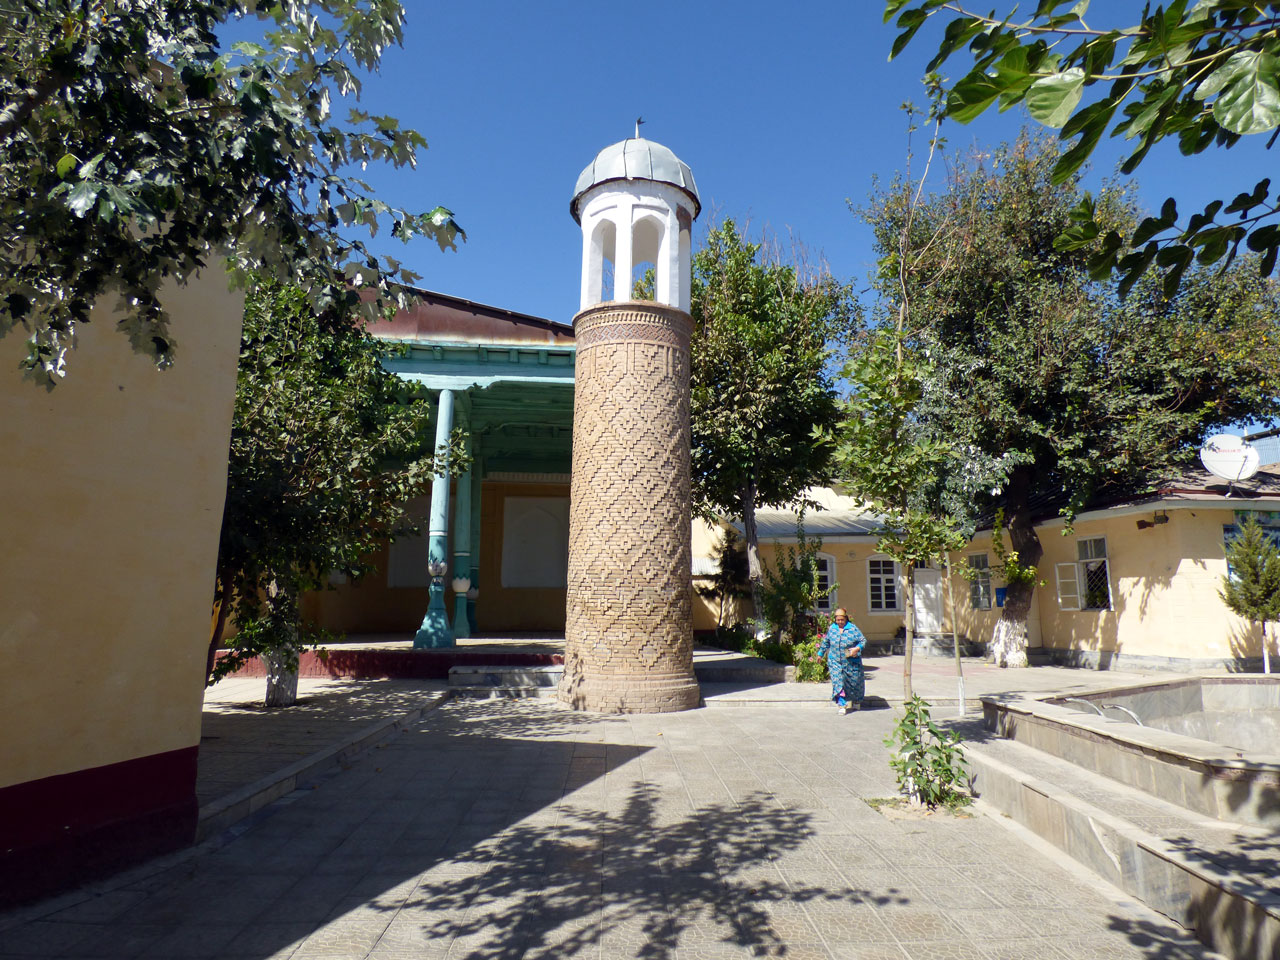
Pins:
x,y
281,661
909,627
955,640
1266,653
221,607
1009,644
754,571
282,682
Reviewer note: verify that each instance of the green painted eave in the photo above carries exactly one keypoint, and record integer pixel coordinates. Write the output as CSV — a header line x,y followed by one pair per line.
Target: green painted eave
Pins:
x,y
455,366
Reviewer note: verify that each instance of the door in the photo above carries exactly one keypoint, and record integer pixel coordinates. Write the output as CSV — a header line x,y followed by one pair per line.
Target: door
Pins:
x,y
928,601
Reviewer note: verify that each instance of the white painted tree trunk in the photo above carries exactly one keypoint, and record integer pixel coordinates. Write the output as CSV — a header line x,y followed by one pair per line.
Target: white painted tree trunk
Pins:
x,y
282,683
955,640
1009,644
282,671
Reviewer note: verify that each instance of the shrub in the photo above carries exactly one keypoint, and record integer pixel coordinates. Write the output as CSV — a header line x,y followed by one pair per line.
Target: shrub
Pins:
x,y
735,637
810,668
928,762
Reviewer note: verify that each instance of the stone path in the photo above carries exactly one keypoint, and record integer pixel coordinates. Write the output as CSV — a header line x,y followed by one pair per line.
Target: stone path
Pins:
x,y
500,829
241,742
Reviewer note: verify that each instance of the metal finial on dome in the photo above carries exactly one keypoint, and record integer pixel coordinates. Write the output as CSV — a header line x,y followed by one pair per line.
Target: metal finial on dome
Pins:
x,y
639,122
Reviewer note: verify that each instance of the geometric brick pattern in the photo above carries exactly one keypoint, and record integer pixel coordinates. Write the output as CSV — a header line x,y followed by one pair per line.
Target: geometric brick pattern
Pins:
x,y
629,605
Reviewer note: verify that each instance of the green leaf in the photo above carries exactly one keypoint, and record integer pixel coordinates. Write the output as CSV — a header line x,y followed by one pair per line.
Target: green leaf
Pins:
x,y
1248,96
972,95
82,198
1051,100
66,165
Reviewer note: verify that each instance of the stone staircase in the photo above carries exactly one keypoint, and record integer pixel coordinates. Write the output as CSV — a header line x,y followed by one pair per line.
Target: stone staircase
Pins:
x,y
524,682
511,682
1218,878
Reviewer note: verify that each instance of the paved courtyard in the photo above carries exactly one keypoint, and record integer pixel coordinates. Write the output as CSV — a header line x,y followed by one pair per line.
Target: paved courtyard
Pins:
x,y
515,829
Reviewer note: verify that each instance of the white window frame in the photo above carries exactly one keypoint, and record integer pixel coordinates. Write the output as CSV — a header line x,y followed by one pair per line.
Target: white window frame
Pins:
x,y
898,607
980,585
1068,585
831,601
1073,576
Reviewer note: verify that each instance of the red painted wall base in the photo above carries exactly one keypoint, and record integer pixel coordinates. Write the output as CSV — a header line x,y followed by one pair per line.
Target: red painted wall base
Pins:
x,y
374,664
59,832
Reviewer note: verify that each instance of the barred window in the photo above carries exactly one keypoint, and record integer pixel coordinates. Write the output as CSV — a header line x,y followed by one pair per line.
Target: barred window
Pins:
x,y
980,585
882,585
1095,581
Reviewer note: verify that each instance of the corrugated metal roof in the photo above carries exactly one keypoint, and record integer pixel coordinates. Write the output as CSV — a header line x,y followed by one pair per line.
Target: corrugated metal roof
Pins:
x,y
781,524
704,567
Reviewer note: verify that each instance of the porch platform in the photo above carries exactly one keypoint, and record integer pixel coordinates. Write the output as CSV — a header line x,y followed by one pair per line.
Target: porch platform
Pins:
x,y
392,656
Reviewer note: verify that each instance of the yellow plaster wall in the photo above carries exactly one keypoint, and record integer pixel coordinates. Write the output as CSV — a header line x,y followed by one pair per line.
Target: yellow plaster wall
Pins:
x,y
852,586
370,606
976,625
1164,586
1164,590
113,487
705,540
500,609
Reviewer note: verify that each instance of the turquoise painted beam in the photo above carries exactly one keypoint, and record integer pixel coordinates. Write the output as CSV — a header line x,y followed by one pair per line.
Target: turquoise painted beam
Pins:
x,y
435,631
458,366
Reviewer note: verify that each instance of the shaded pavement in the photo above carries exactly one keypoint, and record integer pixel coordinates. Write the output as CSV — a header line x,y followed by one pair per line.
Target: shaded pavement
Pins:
x,y
516,829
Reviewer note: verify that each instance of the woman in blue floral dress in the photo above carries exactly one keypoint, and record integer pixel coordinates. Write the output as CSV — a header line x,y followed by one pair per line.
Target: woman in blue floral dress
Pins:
x,y
842,646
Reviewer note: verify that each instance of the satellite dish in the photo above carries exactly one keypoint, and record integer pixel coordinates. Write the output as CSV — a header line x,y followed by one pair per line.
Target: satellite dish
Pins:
x,y
1228,457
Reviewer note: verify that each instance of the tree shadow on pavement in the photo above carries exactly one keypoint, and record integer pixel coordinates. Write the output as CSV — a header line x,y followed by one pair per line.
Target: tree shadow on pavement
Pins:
x,y
1163,941
635,882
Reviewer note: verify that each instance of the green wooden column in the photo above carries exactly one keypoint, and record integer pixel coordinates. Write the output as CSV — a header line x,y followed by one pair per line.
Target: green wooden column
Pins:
x,y
475,543
462,552
435,631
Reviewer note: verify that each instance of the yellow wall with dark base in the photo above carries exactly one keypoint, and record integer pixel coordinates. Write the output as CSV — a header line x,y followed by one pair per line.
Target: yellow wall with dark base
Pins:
x,y
113,486
1164,582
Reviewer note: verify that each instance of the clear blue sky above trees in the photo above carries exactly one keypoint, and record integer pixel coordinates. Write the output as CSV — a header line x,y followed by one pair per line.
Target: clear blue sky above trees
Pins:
x,y
783,112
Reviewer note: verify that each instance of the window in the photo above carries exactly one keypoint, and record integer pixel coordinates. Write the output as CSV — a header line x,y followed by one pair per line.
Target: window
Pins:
x,y
1086,584
980,585
826,569
882,586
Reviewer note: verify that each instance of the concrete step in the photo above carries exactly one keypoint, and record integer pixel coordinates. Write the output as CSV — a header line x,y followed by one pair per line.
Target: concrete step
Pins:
x,y
1218,879
502,692
513,677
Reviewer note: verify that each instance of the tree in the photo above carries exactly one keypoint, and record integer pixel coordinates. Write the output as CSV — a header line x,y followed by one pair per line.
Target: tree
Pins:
x,y
326,449
1251,588
1207,73
1054,391
729,585
761,387
134,151
887,456
889,460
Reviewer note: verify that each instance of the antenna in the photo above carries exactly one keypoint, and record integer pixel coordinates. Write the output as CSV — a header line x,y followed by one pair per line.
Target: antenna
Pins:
x,y
1229,458
639,124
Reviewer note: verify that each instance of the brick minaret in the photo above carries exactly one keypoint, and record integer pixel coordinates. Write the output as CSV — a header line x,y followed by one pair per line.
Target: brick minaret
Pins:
x,y
629,618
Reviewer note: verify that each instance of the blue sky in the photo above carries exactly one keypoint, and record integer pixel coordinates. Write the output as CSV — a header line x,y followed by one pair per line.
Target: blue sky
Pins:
x,y
782,110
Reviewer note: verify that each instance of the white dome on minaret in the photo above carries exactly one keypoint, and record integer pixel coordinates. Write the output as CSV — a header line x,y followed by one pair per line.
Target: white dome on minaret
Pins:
x,y
635,159
636,203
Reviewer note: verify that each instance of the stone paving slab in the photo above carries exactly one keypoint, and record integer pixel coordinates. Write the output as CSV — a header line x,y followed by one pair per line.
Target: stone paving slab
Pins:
x,y
241,742
934,678
517,829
